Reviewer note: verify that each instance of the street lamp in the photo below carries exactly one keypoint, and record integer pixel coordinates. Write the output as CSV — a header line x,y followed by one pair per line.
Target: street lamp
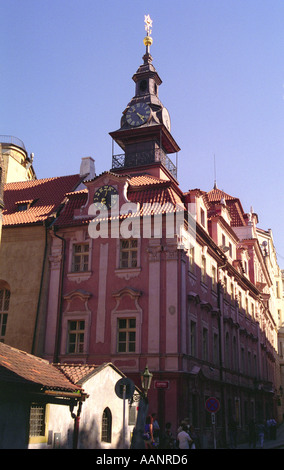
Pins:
x,y
137,437
146,379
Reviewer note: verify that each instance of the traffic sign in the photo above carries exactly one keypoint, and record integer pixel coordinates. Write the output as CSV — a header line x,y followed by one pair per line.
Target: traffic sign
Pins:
x,y
124,388
212,405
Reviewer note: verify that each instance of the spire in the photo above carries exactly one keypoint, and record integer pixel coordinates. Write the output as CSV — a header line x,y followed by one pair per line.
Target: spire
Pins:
x,y
148,41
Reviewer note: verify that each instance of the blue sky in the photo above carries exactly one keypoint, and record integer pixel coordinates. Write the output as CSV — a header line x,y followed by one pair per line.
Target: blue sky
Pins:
x,y
65,78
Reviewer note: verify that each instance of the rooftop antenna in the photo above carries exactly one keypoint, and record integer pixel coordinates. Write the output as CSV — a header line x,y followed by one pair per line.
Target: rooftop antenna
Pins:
x,y
215,181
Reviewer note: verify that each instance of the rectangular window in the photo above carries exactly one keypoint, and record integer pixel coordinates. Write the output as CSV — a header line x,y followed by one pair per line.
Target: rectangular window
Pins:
x,y
232,291
247,307
191,259
132,414
202,217
230,250
216,348
214,278
203,269
225,286
252,310
128,253
37,420
193,338
76,334
205,344
80,259
4,307
126,341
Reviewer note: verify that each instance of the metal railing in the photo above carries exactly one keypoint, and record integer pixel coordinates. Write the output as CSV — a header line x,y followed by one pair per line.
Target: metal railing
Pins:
x,y
10,139
144,158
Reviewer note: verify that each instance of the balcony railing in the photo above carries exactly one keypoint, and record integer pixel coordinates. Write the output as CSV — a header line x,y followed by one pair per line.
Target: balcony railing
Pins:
x,y
144,158
10,139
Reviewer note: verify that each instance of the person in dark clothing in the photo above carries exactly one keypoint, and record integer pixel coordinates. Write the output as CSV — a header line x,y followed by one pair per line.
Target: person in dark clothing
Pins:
x,y
167,439
233,433
252,434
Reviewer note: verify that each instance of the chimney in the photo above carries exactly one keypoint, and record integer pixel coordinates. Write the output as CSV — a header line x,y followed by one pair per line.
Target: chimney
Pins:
x,y
87,168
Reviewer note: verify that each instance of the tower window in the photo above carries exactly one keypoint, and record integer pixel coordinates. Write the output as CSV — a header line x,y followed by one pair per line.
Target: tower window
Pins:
x,y
143,85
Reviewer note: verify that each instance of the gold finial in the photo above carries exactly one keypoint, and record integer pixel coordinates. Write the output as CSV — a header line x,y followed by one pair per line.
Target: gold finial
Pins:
x,y
148,25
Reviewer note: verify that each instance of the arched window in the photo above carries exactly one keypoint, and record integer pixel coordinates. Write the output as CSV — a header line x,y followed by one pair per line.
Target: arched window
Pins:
x,y
106,425
4,307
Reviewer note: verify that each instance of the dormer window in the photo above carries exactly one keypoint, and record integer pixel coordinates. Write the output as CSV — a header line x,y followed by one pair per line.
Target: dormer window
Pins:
x,y
24,205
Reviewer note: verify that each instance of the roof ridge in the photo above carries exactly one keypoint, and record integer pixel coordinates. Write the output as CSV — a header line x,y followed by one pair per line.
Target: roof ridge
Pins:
x,y
35,181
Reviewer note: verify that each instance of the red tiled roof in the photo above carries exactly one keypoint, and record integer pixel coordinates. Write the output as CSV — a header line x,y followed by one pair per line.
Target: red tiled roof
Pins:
x,y
76,372
233,204
143,189
141,180
215,195
75,201
44,196
20,367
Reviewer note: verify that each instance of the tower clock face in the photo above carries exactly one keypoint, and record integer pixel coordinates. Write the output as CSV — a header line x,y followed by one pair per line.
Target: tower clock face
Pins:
x,y
166,118
105,197
138,114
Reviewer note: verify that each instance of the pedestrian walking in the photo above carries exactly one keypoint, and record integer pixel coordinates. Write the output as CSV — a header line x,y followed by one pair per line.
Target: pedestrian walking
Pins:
x,y
233,433
167,440
252,434
148,433
183,438
194,436
156,429
261,430
273,429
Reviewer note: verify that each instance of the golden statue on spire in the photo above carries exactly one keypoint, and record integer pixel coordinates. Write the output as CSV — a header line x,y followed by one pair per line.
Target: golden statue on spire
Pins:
x,y
148,25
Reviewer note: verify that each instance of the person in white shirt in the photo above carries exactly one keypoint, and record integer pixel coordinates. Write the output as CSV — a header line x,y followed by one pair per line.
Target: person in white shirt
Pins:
x,y
184,439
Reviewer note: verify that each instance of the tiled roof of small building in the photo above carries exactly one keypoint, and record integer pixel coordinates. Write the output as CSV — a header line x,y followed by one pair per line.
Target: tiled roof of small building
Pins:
x,y
20,367
43,197
76,372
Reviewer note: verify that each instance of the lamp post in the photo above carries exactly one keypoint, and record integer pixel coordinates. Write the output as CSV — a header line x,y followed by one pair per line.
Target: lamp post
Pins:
x,y
146,379
137,438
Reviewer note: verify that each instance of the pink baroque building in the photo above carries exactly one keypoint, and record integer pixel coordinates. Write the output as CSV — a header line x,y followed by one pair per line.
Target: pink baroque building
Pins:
x,y
144,273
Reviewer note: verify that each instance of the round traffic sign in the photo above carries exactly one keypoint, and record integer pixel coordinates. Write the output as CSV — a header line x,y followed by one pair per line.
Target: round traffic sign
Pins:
x,y
212,405
124,384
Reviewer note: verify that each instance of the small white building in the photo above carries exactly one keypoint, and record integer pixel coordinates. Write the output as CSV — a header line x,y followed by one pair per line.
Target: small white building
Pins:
x,y
47,406
100,423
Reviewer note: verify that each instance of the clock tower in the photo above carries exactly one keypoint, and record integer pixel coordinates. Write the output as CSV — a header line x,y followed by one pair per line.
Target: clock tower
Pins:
x,y
145,129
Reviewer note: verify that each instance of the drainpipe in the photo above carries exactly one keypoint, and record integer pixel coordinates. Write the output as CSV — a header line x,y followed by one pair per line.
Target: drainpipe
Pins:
x,y
33,351
76,418
221,358
59,308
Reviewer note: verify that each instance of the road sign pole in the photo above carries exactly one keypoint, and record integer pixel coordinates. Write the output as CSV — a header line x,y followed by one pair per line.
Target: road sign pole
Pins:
x,y
123,426
214,428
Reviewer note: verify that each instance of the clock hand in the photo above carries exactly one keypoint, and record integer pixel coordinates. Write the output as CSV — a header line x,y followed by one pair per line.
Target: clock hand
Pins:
x,y
141,117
